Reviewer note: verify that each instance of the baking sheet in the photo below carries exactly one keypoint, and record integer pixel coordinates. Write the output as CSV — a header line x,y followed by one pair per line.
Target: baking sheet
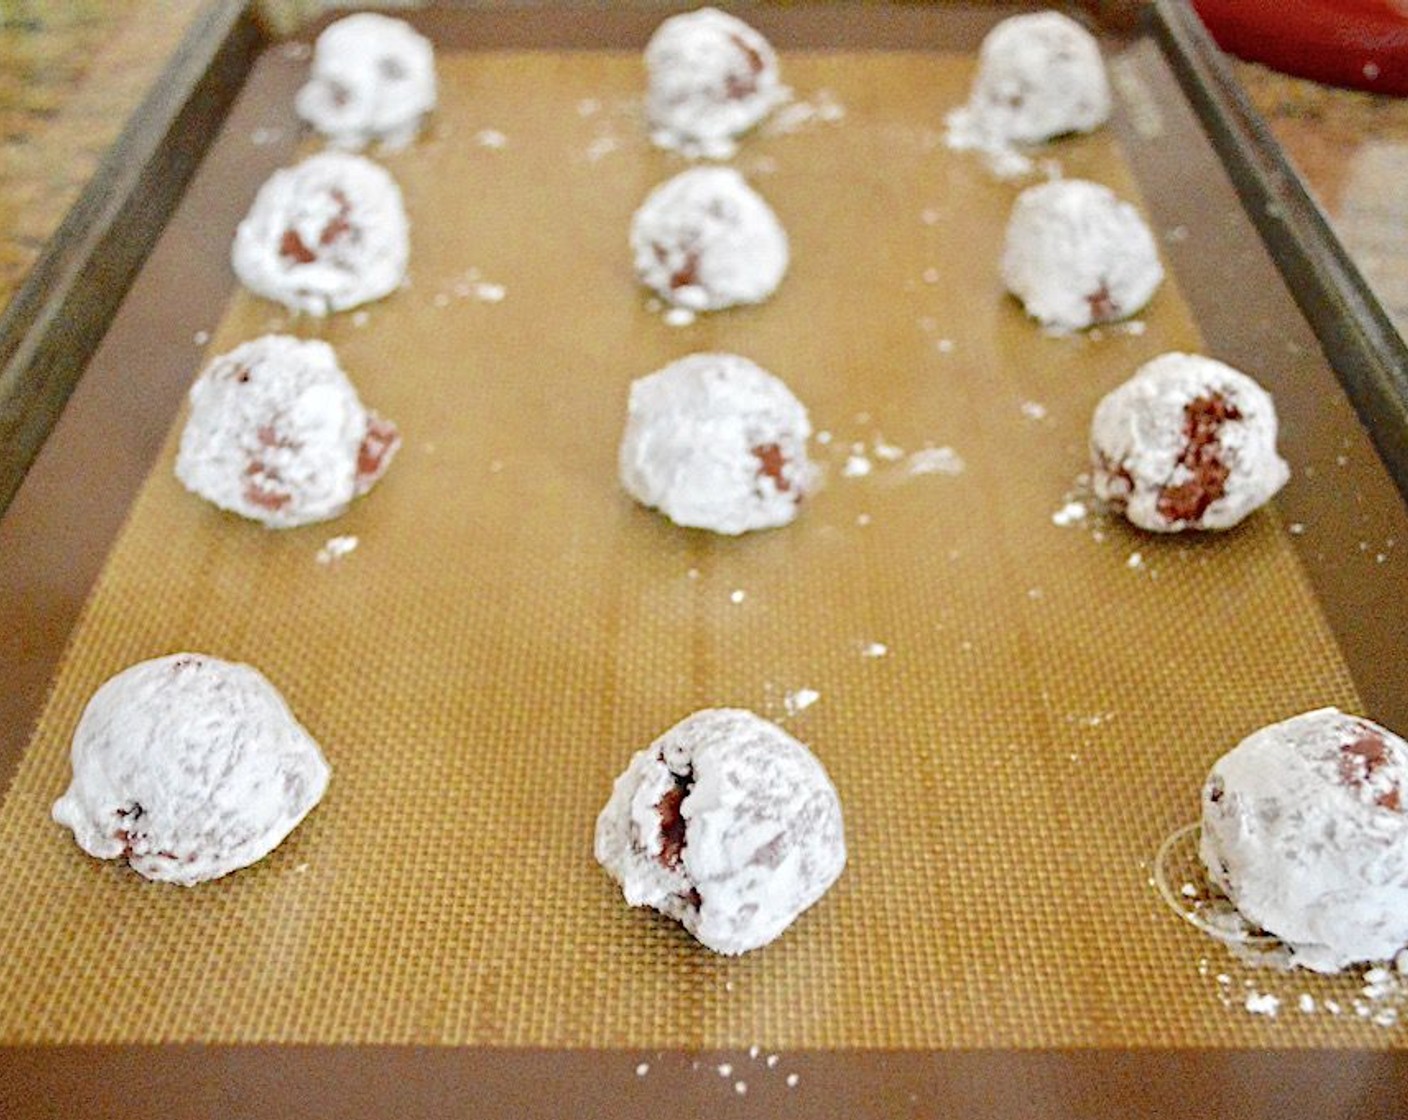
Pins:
x,y
510,628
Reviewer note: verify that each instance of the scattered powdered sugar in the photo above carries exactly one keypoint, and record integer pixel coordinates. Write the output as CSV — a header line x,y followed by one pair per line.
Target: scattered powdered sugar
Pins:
x,y
737,595
678,317
936,460
874,649
1034,410
336,548
201,338
1135,561
857,466
1263,1003
800,700
794,116
642,1069
1069,514
262,137
491,138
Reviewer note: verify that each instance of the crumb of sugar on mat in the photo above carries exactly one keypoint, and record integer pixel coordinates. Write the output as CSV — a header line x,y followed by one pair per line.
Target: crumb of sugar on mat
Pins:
x,y
1306,1003
800,700
936,460
200,338
862,519
944,346
754,1051
857,466
740,1087
929,217
1295,528
1263,1003
642,1069
602,147
336,548
692,573
823,438
678,317
1135,561
1188,890
772,1060
887,451
1034,410
486,292
1035,593
263,137
792,1080
930,276
737,595
491,138
874,649
360,318
725,1069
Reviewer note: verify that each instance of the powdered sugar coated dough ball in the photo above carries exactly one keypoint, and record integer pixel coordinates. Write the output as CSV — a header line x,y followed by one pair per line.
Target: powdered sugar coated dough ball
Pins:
x,y
711,78
373,78
1305,827
1076,255
705,240
188,767
728,825
276,433
716,442
325,235
1186,443
1039,76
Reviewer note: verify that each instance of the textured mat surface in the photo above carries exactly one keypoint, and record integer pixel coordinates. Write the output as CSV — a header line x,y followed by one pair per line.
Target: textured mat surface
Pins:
x,y
1016,712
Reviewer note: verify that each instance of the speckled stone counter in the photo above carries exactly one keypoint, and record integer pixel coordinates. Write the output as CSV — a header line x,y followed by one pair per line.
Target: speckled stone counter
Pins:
x,y
73,71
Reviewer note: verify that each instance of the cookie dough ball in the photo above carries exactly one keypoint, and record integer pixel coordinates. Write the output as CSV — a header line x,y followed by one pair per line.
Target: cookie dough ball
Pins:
x,y
1076,255
715,442
1039,76
373,78
188,767
711,78
1305,827
728,825
1186,443
276,433
326,235
705,240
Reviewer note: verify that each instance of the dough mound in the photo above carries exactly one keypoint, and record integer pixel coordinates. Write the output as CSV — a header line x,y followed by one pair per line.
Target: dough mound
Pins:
x,y
326,235
728,825
277,434
715,442
373,78
1040,76
705,240
188,768
711,78
1305,826
1186,443
1076,255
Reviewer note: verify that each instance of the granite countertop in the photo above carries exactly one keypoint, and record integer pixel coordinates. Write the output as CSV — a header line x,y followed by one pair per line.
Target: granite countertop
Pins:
x,y
72,72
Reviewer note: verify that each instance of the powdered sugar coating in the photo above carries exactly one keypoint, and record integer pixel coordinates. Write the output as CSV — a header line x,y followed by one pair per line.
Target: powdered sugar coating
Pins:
x,y
277,433
1077,255
705,240
727,824
188,768
710,78
1186,443
1039,76
373,78
1305,826
716,442
326,235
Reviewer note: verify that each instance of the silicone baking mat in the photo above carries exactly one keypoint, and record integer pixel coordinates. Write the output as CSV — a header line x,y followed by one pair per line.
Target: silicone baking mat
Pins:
x,y
1017,709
